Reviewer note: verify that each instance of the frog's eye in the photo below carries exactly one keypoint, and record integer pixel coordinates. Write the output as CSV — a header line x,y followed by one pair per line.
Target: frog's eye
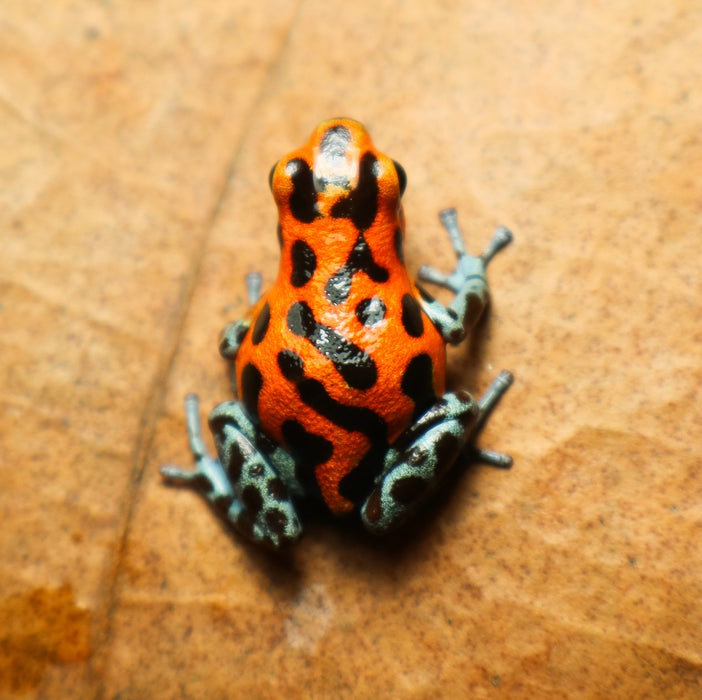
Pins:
x,y
401,177
270,174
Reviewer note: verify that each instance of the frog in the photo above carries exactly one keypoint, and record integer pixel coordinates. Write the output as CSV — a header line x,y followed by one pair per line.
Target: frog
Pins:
x,y
339,369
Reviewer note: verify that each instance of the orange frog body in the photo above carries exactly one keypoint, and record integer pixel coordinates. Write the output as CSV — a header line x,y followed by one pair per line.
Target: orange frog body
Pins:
x,y
340,365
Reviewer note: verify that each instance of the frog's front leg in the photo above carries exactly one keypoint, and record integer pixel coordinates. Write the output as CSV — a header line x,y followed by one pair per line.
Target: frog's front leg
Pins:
x,y
242,484
234,332
418,460
468,282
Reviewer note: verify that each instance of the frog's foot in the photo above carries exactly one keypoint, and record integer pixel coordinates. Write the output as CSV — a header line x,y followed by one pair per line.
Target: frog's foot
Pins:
x,y
419,459
487,403
242,485
468,281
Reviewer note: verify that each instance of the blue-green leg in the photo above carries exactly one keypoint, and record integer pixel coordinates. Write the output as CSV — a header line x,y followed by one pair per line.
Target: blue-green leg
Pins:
x,y
242,484
233,333
420,458
468,282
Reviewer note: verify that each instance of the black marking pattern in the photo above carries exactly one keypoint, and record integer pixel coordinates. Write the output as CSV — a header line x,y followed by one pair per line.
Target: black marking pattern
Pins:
x,y
251,384
418,383
261,325
370,311
361,204
308,449
355,365
235,461
425,295
408,489
338,286
412,316
447,449
303,200
252,499
355,484
277,521
304,263
291,365
258,504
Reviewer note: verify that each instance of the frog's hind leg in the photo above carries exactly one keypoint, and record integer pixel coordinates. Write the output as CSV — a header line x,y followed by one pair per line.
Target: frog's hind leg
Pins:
x,y
419,459
242,485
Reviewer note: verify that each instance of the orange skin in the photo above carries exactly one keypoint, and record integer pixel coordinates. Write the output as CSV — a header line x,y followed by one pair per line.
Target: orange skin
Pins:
x,y
387,342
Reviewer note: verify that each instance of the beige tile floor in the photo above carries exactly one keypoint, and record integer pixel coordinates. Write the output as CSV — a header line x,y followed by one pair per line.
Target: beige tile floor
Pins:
x,y
135,142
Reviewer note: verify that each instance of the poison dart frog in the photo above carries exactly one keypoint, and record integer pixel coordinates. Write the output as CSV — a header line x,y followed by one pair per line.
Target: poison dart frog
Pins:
x,y
340,366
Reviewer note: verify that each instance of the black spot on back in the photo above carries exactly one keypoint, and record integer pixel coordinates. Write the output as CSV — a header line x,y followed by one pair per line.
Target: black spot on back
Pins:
x,y
308,449
361,204
359,481
361,260
418,383
291,365
304,263
370,311
338,286
352,418
251,384
261,325
303,444
301,320
412,316
303,200
356,484
354,364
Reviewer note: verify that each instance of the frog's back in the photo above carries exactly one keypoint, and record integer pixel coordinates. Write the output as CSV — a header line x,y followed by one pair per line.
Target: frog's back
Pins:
x,y
340,357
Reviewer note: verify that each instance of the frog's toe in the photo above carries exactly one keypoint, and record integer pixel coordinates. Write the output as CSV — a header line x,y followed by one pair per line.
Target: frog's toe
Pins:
x,y
501,238
430,274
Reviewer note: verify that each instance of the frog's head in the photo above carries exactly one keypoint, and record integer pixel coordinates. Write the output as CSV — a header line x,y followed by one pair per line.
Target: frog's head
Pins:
x,y
338,173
